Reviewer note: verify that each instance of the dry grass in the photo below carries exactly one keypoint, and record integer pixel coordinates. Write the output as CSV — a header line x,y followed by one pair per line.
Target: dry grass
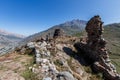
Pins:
x,y
14,62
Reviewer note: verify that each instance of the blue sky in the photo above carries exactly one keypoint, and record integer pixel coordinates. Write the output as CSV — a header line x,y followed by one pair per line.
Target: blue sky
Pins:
x,y
31,16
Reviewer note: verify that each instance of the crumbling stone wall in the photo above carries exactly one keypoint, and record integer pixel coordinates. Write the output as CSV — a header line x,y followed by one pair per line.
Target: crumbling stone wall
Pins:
x,y
58,33
95,49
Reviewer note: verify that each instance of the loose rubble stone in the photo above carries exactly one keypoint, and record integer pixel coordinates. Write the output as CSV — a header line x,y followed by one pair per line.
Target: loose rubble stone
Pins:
x,y
38,60
42,55
38,55
37,51
43,44
30,45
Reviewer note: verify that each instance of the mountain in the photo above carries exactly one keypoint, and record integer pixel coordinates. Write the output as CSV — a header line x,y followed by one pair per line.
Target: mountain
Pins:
x,y
3,32
8,40
69,28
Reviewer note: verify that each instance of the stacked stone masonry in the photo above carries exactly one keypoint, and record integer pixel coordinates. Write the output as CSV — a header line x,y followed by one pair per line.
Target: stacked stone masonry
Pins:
x,y
94,48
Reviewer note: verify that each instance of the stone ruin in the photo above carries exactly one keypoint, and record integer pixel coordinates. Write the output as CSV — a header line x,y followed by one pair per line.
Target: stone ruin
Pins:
x,y
58,33
94,31
94,50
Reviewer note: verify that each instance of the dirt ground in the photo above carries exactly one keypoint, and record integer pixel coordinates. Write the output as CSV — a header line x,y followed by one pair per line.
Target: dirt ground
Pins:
x,y
12,65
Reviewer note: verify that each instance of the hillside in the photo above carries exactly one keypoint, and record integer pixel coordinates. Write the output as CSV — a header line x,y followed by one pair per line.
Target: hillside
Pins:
x,y
7,37
112,35
8,40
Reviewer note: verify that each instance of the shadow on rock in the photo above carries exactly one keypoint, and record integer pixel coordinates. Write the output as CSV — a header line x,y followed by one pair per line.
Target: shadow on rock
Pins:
x,y
76,56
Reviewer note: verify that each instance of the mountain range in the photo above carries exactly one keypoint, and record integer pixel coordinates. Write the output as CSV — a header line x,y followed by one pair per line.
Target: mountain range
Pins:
x,y
7,38
69,28
8,41
4,32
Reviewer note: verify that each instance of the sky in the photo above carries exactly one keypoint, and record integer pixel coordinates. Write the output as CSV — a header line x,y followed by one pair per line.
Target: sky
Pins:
x,y
27,17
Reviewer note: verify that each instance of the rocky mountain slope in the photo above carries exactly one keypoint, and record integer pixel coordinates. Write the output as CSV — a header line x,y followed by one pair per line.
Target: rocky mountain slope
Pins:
x,y
8,41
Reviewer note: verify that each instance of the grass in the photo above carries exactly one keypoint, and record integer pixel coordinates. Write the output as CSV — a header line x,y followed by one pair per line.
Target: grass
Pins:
x,y
96,77
78,34
112,35
57,62
29,75
2,67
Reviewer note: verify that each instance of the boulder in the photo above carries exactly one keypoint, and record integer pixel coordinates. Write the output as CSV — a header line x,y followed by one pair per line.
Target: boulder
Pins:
x,y
37,51
37,55
52,68
48,78
38,60
30,45
45,68
65,76
43,44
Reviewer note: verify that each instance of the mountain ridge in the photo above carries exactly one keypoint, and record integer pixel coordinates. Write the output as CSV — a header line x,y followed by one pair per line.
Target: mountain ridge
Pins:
x,y
8,41
4,32
69,27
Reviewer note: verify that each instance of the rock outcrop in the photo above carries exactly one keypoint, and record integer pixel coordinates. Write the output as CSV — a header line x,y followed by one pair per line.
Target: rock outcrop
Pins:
x,y
94,49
